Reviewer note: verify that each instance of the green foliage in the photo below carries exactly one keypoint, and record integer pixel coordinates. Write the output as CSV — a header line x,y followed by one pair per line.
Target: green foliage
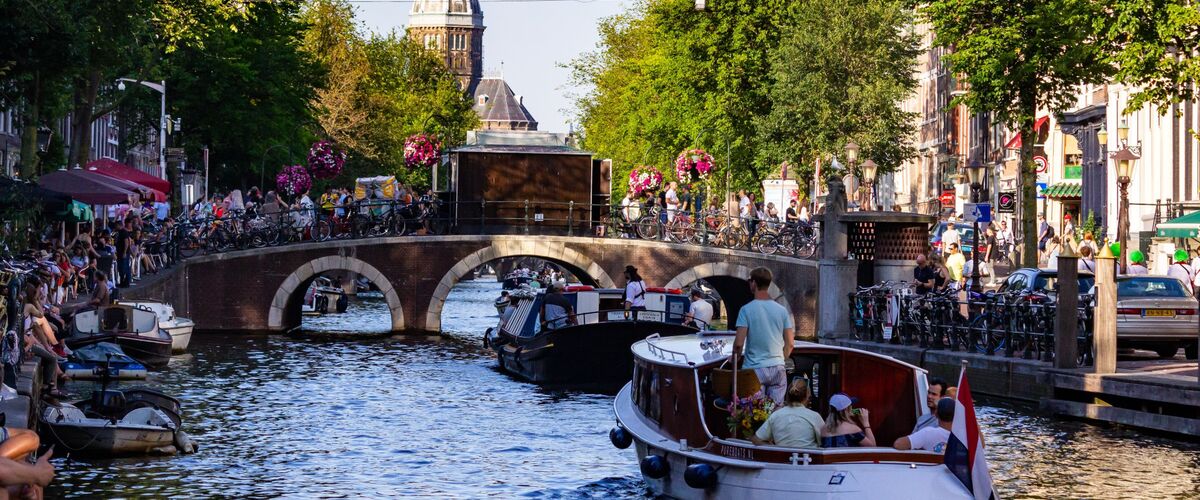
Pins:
x,y
1088,226
242,88
1152,45
666,77
380,90
838,75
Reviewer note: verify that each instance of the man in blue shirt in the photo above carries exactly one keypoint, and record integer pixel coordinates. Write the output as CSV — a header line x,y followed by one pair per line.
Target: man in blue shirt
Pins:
x,y
766,331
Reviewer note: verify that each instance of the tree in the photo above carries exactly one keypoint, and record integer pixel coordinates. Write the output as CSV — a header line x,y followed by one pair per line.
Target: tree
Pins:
x,y
666,76
838,75
1017,57
1152,44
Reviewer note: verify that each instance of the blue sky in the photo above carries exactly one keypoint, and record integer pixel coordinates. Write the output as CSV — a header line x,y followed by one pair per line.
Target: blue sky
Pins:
x,y
531,39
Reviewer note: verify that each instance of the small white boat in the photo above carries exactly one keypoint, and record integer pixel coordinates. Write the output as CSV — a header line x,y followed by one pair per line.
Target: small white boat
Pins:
x,y
134,329
117,423
179,328
686,449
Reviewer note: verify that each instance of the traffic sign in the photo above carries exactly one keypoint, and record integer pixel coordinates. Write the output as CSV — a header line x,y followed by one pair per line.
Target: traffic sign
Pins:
x,y
947,198
176,155
1041,164
1041,190
977,212
1006,203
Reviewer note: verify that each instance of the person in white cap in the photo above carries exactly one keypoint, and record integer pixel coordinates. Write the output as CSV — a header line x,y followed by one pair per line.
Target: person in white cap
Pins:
x,y
846,426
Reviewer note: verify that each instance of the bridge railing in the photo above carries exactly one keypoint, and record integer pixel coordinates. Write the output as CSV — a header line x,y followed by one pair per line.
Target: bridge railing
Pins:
x,y
373,219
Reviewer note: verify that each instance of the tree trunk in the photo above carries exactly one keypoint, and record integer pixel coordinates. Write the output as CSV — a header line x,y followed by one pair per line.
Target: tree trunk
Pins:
x,y
86,89
1029,250
30,117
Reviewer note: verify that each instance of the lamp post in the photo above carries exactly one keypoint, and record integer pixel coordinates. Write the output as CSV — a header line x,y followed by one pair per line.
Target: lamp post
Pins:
x,y
161,87
868,172
975,173
1125,160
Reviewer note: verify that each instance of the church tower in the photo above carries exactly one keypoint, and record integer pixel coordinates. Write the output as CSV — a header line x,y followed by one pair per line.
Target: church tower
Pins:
x,y
453,28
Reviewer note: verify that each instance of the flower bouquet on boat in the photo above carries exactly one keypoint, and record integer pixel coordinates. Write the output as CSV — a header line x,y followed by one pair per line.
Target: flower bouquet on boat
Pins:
x,y
703,429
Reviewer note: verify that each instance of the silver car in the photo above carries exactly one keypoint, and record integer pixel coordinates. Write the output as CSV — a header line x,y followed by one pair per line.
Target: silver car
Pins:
x,y
1156,313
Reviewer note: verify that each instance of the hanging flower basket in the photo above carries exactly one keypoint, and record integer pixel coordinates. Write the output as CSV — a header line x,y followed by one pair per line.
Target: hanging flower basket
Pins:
x,y
645,178
325,162
422,151
693,165
293,180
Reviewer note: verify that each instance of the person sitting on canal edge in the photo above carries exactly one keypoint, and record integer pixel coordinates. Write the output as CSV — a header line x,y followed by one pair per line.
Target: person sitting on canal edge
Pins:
x,y
792,425
635,290
846,426
766,330
700,313
937,390
931,438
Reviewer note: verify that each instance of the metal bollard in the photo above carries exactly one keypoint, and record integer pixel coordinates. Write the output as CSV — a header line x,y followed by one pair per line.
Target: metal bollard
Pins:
x,y
482,216
526,216
1104,331
571,218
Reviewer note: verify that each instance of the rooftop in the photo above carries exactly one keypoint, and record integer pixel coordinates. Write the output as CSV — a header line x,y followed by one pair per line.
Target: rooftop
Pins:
x,y
462,13
495,101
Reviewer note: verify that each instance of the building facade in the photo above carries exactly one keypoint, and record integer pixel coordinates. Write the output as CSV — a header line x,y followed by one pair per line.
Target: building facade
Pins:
x,y
454,29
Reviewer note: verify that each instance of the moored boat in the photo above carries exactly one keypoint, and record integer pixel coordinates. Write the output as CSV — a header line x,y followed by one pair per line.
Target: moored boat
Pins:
x,y
593,352
102,359
669,411
514,281
117,423
135,330
180,329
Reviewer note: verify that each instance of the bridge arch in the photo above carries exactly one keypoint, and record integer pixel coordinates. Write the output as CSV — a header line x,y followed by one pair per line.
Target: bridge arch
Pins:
x,y
714,272
554,251
285,295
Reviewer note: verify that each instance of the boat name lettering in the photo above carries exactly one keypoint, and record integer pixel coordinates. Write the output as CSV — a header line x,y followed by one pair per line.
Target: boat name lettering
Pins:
x,y
737,452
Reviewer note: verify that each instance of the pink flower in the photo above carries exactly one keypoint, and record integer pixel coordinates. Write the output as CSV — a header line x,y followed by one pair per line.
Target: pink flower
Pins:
x,y
421,151
687,168
293,180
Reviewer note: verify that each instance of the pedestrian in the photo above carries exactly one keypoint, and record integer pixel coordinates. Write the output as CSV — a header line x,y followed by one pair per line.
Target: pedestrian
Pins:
x,y
671,200
955,262
766,331
1086,261
1182,271
791,216
1004,237
990,256
1137,263
124,256
950,237
1045,232
1052,251
635,291
700,312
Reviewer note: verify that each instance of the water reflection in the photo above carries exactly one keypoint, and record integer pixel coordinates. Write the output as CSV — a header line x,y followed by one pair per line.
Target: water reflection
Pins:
x,y
336,413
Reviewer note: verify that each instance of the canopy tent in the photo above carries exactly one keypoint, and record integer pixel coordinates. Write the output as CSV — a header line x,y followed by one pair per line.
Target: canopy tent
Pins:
x,y
1064,190
14,191
1187,226
113,168
145,193
90,188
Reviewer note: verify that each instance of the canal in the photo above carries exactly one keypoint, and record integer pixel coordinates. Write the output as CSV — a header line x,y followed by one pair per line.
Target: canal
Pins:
x,y
343,411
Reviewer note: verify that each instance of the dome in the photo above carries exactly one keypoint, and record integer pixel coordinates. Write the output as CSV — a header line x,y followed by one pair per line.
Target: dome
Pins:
x,y
437,13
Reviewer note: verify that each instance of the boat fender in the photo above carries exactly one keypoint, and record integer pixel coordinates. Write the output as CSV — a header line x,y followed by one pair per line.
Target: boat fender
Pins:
x,y
184,443
620,437
700,476
487,338
655,466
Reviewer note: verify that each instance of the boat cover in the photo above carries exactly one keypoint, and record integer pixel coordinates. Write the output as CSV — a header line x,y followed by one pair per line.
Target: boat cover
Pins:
x,y
98,353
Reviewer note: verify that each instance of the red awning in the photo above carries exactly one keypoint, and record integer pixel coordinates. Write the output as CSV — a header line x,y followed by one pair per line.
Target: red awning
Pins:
x,y
1015,142
144,193
93,189
113,168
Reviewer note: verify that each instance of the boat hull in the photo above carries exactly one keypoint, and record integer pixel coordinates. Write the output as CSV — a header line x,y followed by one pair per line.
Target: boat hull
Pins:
x,y
180,330
109,440
593,355
152,352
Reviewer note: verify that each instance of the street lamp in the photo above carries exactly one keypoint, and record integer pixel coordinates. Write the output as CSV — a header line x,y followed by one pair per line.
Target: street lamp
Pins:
x,y
868,172
44,134
975,171
1125,160
851,159
161,88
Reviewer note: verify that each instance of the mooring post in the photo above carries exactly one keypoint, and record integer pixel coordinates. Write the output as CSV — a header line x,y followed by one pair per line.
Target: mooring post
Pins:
x,y
1066,322
482,216
571,218
526,216
1104,331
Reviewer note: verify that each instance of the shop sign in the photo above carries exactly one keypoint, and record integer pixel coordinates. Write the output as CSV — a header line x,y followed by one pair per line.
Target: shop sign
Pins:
x,y
1073,172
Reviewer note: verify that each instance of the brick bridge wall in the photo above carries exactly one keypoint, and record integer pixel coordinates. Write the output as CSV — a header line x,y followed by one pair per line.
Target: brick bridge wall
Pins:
x,y
261,289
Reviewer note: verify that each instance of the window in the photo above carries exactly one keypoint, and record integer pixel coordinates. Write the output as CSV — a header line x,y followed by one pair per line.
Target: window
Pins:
x,y
432,41
458,42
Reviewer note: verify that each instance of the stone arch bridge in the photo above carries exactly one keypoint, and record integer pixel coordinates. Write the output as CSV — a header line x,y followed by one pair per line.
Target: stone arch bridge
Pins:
x,y
262,289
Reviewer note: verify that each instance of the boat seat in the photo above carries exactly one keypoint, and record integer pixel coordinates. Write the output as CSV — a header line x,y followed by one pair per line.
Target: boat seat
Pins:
x,y
147,416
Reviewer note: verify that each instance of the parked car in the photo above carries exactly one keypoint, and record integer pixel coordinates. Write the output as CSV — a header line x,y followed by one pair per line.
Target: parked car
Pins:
x,y
1156,313
966,232
1042,280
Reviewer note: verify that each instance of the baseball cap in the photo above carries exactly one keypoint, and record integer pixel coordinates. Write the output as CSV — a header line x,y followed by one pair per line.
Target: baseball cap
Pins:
x,y
841,401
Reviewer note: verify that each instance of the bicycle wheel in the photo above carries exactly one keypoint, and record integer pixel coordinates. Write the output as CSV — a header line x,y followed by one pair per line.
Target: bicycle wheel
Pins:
x,y
323,230
647,228
804,246
189,246
768,244
399,226
989,331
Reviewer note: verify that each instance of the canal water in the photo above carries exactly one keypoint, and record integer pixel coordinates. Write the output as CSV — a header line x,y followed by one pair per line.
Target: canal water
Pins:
x,y
343,411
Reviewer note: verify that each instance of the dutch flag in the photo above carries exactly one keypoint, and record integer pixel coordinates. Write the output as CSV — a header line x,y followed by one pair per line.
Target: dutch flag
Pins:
x,y
965,455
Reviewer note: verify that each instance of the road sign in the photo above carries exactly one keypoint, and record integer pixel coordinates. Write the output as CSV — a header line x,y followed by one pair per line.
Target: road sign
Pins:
x,y
1042,166
1041,190
176,155
947,198
1007,203
977,212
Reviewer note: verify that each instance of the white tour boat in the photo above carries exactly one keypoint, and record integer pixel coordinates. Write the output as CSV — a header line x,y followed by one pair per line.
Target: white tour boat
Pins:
x,y
685,449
